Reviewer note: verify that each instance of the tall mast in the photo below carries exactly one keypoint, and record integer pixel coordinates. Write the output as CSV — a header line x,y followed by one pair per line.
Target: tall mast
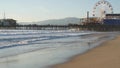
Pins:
x,y
4,15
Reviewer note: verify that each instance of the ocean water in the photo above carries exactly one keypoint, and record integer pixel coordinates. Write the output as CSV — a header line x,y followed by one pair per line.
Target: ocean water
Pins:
x,y
43,48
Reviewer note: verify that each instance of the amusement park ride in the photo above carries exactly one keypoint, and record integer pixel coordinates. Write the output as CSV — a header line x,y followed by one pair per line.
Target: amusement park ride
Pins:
x,y
100,10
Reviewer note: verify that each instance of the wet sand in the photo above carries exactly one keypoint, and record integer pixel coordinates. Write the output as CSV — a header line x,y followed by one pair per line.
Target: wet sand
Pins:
x,y
105,56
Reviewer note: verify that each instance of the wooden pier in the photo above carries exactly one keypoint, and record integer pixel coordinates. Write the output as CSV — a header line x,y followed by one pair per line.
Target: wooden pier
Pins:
x,y
89,27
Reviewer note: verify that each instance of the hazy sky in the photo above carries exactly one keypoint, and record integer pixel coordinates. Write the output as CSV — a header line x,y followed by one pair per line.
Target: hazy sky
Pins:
x,y
37,10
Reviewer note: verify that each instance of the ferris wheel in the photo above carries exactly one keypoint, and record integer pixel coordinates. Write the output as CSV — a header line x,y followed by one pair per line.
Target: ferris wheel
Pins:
x,y
102,8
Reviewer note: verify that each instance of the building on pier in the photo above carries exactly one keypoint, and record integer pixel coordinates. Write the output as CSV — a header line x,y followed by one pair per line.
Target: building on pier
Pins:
x,y
112,19
7,22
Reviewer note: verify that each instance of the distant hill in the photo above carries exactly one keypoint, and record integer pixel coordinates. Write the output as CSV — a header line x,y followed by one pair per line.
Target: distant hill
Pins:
x,y
65,21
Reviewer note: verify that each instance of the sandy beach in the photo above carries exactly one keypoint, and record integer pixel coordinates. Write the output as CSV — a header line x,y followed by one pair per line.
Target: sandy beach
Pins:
x,y
105,56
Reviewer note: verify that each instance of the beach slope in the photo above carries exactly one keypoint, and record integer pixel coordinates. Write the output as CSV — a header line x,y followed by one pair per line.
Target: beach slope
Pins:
x,y
105,56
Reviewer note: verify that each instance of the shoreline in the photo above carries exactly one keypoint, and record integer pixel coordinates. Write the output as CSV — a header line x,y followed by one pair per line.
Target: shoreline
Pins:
x,y
74,46
85,60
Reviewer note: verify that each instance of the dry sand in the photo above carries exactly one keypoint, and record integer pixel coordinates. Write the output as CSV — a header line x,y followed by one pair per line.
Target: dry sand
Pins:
x,y
105,56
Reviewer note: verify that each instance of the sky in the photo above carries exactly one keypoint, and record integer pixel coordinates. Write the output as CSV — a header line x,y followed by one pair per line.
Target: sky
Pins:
x,y
39,10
